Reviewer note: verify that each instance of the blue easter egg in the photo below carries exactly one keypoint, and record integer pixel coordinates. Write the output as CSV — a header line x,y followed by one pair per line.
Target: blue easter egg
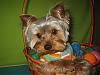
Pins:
x,y
75,46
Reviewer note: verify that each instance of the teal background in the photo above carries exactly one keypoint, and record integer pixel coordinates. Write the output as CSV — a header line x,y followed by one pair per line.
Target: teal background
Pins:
x,y
11,44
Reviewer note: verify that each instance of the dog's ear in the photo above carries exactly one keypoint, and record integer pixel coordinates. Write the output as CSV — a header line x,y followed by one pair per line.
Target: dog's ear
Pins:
x,y
27,20
59,12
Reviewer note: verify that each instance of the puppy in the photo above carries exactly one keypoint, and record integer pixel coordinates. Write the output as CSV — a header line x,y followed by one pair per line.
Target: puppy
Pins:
x,y
49,34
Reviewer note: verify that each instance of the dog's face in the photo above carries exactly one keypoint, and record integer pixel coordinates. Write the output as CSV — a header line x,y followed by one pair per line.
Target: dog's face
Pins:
x,y
49,34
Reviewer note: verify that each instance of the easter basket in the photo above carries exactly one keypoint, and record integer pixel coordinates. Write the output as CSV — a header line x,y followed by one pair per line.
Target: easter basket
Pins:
x,y
35,66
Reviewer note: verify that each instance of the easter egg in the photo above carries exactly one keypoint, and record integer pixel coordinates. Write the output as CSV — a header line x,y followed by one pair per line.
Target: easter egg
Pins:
x,y
35,56
97,54
91,58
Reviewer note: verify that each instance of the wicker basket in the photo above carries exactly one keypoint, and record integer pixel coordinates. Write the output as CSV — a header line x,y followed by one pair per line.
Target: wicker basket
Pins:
x,y
35,65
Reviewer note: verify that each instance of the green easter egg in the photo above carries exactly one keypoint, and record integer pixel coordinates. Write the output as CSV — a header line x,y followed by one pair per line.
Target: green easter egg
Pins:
x,y
35,56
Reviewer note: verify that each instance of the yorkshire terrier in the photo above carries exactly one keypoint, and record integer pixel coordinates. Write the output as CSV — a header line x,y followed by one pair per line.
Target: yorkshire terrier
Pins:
x,y
50,35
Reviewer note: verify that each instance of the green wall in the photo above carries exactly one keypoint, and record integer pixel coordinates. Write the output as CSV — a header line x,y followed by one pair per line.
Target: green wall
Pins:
x,y
11,44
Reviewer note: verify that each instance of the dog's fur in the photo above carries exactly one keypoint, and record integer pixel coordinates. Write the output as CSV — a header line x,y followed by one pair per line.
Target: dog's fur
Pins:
x,y
68,67
49,35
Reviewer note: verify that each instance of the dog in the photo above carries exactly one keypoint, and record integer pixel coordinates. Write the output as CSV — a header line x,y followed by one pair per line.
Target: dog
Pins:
x,y
49,35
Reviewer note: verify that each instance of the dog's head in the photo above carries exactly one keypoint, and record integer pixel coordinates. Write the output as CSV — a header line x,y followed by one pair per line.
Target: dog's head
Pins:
x,y
48,34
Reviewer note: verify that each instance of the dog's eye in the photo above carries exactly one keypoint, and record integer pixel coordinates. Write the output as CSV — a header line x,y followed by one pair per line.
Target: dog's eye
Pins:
x,y
54,31
38,35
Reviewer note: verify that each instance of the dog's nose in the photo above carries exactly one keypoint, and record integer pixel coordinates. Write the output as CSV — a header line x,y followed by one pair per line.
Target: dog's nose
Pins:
x,y
48,46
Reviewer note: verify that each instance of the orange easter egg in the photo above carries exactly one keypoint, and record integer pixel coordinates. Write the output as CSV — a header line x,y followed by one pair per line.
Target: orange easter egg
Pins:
x,y
91,58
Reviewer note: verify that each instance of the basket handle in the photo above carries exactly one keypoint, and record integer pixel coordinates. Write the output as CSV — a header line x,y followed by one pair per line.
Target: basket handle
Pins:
x,y
92,23
23,7
23,12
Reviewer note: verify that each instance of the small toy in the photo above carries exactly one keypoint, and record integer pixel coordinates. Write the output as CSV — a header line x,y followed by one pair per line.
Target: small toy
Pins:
x,y
77,49
90,58
96,53
34,54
